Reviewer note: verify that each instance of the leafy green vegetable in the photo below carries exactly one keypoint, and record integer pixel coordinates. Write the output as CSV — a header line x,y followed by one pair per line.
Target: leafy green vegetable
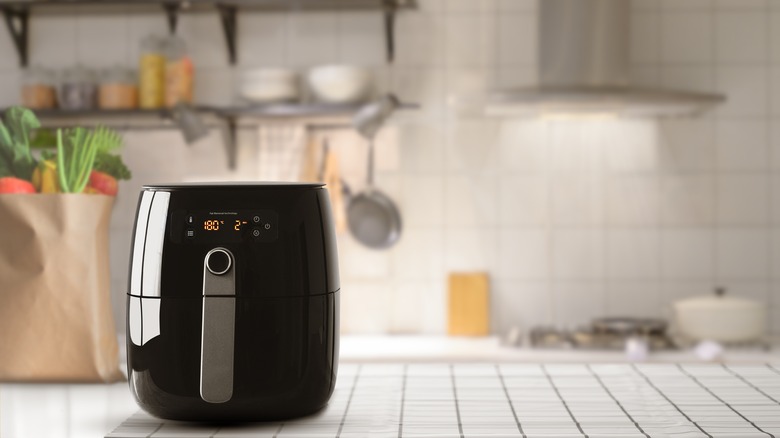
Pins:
x,y
108,141
15,132
112,165
44,138
75,158
82,150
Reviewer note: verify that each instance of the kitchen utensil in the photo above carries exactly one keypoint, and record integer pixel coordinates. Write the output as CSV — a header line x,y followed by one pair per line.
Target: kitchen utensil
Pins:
x,y
268,85
370,117
189,122
309,167
233,303
720,318
469,304
372,216
331,177
340,83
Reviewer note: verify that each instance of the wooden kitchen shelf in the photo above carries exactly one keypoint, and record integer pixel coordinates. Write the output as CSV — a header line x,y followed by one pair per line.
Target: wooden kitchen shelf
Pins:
x,y
227,118
17,14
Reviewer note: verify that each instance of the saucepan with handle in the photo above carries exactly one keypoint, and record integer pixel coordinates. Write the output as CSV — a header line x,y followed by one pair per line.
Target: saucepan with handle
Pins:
x,y
373,218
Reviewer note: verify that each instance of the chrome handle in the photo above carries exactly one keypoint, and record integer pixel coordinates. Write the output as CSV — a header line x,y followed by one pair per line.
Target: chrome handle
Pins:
x,y
218,326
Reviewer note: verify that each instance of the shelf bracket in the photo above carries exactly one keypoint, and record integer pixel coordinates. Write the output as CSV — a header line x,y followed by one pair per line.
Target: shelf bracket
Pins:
x,y
172,15
228,17
17,20
389,13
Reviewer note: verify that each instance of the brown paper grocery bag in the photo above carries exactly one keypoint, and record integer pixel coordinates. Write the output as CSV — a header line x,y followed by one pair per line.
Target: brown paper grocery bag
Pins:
x,y
56,322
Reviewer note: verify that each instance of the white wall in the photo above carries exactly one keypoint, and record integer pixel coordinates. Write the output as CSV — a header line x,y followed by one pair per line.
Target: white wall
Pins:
x,y
572,219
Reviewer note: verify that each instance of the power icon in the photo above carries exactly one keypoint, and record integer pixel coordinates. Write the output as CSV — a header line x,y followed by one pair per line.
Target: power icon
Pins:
x,y
267,226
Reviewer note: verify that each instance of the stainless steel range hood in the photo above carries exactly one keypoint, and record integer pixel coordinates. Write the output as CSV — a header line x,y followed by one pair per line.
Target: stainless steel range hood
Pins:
x,y
583,59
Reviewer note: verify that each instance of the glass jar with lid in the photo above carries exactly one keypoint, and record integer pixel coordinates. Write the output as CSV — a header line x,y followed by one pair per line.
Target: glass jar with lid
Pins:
x,y
118,89
39,88
151,73
78,89
179,72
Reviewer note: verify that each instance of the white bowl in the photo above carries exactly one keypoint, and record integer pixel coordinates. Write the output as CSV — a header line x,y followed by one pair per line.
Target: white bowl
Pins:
x,y
340,83
267,85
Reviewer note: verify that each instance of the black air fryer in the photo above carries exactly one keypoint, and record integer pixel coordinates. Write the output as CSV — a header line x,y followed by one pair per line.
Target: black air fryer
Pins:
x,y
233,309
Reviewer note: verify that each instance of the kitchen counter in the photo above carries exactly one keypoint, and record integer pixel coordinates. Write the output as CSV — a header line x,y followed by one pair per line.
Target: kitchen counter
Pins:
x,y
362,349
483,389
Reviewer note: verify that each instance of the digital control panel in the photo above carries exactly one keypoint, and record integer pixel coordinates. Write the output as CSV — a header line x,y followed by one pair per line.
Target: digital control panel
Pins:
x,y
217,226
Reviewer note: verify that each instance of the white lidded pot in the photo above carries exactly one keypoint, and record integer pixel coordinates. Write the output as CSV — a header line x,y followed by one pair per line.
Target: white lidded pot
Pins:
x,y
720,318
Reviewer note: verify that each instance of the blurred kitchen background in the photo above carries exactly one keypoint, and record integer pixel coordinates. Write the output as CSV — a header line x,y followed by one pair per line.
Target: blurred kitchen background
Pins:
x,y
571,218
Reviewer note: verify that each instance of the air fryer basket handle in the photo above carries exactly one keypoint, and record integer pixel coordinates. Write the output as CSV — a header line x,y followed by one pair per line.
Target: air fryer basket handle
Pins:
x,y
218,326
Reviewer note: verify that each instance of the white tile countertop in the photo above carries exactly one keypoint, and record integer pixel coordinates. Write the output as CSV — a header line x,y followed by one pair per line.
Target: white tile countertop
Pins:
x,y
489,349
475,389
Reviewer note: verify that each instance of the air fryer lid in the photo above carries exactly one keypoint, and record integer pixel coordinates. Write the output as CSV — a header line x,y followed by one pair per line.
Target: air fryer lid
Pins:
x,y
278,236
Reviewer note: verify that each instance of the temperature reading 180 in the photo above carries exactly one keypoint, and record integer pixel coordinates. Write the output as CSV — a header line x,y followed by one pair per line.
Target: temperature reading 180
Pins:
x,y
238,224
212,225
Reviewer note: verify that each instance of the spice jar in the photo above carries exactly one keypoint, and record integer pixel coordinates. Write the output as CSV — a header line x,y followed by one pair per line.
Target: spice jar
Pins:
x,y
38,89
151,73
118,89
78,89
179,72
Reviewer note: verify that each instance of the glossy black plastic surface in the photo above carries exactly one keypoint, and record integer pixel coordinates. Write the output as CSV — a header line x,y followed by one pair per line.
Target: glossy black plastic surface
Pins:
x,y
286,308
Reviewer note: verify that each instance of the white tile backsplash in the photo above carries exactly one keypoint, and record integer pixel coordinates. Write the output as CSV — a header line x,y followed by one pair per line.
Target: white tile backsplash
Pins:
x,y
523,199
644,48
746,89
572,219
578,253
633,253
743,200
687,254
741,37
742,145
262,39
687,37
742,254
517,39
523,254
632,200
687,199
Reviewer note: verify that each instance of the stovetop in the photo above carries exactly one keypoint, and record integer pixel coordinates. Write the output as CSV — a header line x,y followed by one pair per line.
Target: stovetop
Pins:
x,y
523,400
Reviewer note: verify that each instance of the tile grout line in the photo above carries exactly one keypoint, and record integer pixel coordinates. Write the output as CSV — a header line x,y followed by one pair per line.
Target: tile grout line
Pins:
x,y
278,430
349,401
159,426
565,405
509,400
612,396
740,377
403,401
647,379
721,400
455,395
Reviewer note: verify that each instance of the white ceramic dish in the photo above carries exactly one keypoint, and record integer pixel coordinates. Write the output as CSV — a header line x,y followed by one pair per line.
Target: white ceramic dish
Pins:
x,y
340,83
268,85
720,318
